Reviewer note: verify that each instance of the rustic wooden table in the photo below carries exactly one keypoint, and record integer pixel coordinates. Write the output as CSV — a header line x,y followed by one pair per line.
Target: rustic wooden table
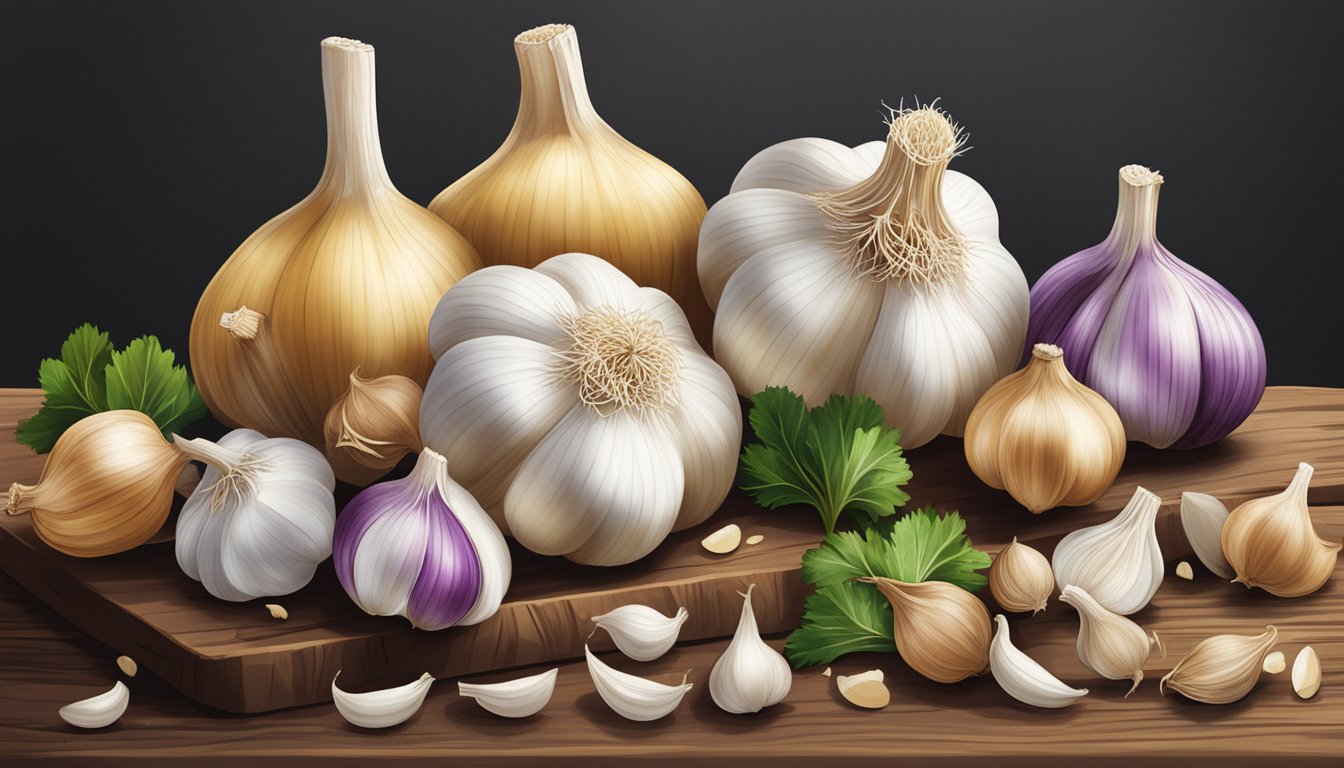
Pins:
x,y
46,663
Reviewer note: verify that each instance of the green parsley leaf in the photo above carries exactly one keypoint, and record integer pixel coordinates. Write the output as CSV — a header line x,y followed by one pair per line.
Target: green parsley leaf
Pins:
x,y
837,457
73,385
142,378
843,618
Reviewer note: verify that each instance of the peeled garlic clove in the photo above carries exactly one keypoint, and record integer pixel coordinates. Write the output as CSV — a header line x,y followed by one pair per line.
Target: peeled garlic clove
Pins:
x,y
1275,663
1306,673
1118,562
1184,571
1022,678
941,630
1108,643
523,697
372,426
724,540
1271,544
1203,517
277,611
632,697
99,711
755,539
641,632
750,675
866,690
381,709
1020,579
1221,669
127,665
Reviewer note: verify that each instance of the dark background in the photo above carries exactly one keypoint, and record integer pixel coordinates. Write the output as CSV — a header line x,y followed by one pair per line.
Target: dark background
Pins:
x,y
144,141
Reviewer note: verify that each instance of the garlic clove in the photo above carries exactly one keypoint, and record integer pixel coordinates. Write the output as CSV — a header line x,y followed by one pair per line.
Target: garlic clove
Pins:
x,y
941,630
1202,517
866,689
1275,663
641,632
1221,669
1022,678
1119,562
1184,571
1306,673
724,540
127,665
750,675
381,709
1020,579
755,539
372,426
633,697
98,711
523,697
1109,644
277,611
1271,544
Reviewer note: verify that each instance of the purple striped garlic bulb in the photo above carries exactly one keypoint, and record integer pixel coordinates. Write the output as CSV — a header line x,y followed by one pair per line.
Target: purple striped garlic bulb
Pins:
x,y
1173,351
422,547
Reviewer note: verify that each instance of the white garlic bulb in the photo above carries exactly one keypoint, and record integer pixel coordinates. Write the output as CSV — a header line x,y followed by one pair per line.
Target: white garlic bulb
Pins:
x,y
261,519
98,711
381,709
1118,562
750,675
523,697
1108,643
633,697
1203,517
1022,677
641,632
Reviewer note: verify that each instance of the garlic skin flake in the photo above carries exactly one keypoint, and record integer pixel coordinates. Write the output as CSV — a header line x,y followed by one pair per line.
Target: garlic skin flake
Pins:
x,y
1221,669
1271,544
1203,518
641,632
871,270
523,697
750,675
578,409
1118,563
632,697
381,709
1022,678
261,520
98,711
1108,643
1020,579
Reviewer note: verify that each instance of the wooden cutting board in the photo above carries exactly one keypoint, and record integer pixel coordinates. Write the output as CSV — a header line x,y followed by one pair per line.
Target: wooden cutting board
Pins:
x,y
235,657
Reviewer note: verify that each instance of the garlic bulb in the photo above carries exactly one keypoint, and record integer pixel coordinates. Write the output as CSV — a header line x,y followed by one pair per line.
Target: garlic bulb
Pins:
x,y
381,709
1021,677
421,547
564,181
1176,354
1108,643
372,426
1271,544
870,270
1045,438
942,631
1220,669
632,697
641,632
1202,518
750,675
1118,562
577,407
1020,579
98,711
523,697
345,279
107,485
261,520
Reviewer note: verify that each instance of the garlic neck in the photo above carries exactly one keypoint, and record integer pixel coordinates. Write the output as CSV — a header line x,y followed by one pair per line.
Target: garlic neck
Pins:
x,y
554,96
238,470
354,154
893,225
428,469
1136,213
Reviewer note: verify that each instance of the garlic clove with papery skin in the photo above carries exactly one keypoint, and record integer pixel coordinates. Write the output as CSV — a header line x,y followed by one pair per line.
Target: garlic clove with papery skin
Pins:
x,y
98,711
1221,669
1022,677
1270,543
1020,579
750,675
522,697
381,709
372,426
1119,562
633,697
941,630
1203,517
1108,643
641,632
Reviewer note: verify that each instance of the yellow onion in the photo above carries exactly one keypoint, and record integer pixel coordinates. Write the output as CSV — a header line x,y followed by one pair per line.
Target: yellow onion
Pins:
x,y
345,279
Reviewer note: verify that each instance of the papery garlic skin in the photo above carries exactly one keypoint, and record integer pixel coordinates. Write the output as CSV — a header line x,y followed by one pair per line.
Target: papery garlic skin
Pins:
x,y
1221,669
1176,354
578,408
1022,677
870,270
750,675
633,697
1119,562
1020,579
1108,643
941,630
261,519
641,632
1045,438
1203,518
98,711
1270,543
523,697
372,426
106,487
422,548
345,279
381,709
564,180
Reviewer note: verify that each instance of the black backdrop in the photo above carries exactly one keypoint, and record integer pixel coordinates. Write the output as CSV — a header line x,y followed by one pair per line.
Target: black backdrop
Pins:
x,y
144,141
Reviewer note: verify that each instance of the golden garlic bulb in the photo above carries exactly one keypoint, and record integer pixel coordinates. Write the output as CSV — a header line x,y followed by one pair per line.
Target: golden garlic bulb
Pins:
x,y
372,426
107,485
346,279
1271,544
941,630
1045,438
564,181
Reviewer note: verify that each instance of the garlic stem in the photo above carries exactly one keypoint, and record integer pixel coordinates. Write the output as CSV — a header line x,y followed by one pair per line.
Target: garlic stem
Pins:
x,y
1136,213
554,97
354,161
242,324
